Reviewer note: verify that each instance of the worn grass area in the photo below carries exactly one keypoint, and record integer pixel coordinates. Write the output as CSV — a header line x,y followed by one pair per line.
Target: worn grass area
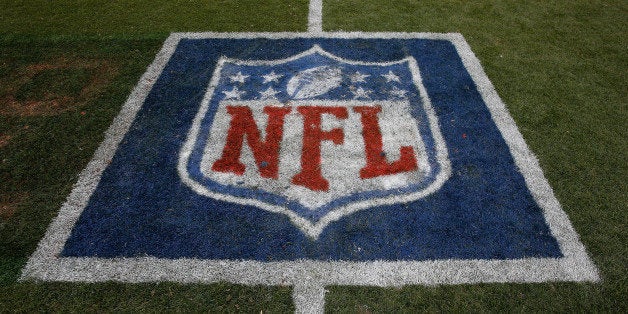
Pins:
x,y
561,68
45,151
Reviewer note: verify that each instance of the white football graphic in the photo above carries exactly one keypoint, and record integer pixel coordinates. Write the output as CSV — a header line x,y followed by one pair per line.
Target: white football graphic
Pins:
x,y
314,82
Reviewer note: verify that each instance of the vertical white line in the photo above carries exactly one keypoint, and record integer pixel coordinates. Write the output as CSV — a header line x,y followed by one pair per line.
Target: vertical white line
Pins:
x,y
308,298
315,17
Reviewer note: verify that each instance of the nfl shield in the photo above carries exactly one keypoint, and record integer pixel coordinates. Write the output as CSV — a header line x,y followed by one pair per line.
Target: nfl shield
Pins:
x,y
315,137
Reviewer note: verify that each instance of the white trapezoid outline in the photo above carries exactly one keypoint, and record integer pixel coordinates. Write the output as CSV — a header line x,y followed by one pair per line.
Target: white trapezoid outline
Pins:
x,y
575,265
313,230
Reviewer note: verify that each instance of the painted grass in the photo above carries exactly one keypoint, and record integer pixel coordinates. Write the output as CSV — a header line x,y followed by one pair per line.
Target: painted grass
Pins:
x,y
560,67
40,162
41,155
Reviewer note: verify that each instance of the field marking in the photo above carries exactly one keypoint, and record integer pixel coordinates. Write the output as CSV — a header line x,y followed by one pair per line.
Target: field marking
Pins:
x,y
309,277
309,297
313,230
315,17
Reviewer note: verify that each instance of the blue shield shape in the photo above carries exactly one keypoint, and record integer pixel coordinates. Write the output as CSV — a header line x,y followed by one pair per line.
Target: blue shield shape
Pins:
x,y
315,137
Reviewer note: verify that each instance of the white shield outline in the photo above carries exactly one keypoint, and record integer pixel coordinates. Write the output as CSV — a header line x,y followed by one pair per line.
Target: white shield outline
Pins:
x,y
313,230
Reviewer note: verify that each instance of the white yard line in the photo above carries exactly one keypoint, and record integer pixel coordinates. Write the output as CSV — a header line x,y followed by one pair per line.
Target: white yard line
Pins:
x,y
308,297
315,17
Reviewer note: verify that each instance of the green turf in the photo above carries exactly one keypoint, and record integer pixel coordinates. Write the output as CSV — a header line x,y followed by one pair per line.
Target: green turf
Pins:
x,y
131,18
54,83
154,298
560,67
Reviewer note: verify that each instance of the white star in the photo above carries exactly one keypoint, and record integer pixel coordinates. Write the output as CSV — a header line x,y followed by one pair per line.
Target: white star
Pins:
x,y
391,77
269,93
398,92
234,93
238,78
361,93
271,77
358,77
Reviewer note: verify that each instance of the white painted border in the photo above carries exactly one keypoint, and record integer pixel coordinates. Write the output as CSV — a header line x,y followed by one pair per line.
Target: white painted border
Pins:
x,y
315,17
313,230
310,277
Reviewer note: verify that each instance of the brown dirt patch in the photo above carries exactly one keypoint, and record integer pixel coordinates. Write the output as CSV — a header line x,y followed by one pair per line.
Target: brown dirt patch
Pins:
x,y
102,72
4,140
9,204
363,309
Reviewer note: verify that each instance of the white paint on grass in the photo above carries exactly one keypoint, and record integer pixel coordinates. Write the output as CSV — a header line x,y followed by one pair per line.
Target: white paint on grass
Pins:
x,y
308,297
307,276
315,17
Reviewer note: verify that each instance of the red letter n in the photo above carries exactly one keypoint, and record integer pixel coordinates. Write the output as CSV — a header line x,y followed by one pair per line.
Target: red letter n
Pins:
x,y
266,153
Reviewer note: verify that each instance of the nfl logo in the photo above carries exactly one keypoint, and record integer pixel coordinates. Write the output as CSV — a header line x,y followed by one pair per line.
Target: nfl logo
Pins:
x,y
315,137
379,159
